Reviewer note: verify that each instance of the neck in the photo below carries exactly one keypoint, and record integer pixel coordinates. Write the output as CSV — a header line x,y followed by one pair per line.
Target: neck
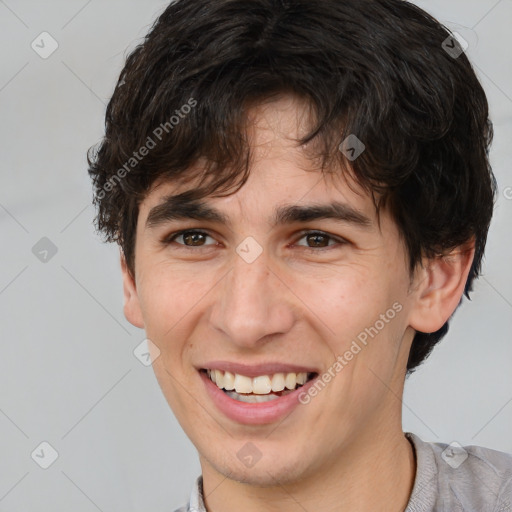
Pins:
x,y
376,472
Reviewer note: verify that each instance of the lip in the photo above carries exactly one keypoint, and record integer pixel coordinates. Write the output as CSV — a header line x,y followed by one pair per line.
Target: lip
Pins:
x,y
257,413
256,370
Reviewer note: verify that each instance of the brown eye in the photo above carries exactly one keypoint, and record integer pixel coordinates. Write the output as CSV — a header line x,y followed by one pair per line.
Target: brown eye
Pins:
x,y
319,240
191,238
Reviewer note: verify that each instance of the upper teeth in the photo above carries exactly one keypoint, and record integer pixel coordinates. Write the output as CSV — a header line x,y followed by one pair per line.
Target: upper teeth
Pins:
x,y
260,385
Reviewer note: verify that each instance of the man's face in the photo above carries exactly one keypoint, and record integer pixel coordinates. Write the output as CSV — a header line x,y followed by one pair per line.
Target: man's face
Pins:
x,y
209,300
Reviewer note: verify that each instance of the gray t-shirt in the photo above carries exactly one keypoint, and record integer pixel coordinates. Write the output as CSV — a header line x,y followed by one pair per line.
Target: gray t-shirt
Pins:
x,y
449,478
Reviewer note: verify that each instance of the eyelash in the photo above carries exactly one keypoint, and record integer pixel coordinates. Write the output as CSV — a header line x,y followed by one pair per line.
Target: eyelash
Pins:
x,y
340,241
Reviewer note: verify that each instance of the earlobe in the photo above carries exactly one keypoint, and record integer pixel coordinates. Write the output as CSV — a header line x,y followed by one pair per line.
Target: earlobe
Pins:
x,y
132,309
441,284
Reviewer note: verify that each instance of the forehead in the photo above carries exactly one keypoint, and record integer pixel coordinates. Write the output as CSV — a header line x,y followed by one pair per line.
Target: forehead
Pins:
x,y
283,177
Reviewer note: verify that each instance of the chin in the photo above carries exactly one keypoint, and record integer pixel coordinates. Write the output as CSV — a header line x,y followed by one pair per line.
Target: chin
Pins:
x,y
264,473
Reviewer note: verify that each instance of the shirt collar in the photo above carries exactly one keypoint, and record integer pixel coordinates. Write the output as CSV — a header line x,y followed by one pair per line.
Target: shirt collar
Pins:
x,y
196,503
425,482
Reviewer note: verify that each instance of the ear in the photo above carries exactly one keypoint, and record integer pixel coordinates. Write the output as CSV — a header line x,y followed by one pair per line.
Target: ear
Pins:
x,y
440,285
132,309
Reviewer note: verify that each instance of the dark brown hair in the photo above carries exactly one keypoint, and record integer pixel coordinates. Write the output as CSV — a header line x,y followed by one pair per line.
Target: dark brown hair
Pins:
x,y
378,69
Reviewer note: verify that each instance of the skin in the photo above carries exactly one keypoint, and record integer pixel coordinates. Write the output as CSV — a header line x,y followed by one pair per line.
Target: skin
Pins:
x,y
345,450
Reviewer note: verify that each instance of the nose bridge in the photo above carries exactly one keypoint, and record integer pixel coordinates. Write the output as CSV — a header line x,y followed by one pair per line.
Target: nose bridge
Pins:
x,y
251,303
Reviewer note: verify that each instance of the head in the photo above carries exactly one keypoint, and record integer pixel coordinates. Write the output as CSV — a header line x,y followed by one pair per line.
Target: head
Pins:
x,y
236,119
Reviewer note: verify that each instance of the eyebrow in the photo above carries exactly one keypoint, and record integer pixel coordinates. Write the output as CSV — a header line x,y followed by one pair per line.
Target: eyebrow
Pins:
x,y
179,208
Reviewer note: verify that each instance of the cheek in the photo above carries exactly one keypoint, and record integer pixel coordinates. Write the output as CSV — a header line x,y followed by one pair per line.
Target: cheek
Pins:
x,y
346,300
360,318
169,297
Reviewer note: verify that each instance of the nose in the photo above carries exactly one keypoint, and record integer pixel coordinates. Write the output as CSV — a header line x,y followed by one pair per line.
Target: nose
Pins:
x,y
252,304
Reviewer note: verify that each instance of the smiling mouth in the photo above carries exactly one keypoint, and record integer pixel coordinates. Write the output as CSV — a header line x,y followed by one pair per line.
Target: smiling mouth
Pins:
x,y
262,388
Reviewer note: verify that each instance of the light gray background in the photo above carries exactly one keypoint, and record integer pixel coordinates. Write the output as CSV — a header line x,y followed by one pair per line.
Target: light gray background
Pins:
x,y
68,375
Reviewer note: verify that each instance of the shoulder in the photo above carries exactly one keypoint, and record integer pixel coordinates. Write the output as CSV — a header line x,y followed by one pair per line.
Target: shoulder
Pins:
x,y
464,477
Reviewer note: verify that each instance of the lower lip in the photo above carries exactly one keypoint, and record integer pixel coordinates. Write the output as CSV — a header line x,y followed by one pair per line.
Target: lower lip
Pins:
x,y
258,413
